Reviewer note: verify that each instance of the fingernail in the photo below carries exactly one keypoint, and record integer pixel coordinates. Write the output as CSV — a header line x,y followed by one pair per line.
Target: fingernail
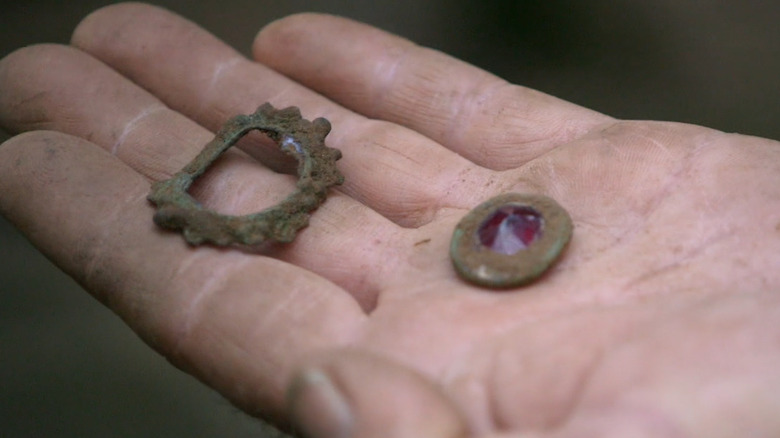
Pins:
x,y
317,407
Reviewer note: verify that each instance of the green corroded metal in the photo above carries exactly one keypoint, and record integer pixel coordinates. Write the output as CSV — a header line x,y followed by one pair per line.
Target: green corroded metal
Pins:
x,y
295,136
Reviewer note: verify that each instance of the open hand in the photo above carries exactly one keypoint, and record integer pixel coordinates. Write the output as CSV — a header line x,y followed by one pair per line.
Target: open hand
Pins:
x,y
660,320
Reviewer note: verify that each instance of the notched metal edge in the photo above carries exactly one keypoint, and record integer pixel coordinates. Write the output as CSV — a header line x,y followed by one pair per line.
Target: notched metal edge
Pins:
x,y
296,136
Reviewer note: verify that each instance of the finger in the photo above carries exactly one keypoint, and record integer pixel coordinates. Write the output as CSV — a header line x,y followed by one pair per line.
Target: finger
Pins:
x,y
53,87
223,316
351,393
483,118
61,88
397,172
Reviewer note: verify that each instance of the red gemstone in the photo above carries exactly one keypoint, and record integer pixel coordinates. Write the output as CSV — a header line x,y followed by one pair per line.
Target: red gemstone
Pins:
x,y
511,229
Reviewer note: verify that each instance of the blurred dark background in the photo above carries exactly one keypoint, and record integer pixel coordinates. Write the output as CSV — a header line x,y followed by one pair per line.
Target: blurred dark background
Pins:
x,y
69,368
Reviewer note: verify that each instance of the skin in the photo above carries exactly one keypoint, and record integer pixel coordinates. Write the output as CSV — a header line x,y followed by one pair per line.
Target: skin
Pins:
x,y
660,320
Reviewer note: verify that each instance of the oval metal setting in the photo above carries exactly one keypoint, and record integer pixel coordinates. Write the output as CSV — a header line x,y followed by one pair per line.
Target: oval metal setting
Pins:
x,y
535,228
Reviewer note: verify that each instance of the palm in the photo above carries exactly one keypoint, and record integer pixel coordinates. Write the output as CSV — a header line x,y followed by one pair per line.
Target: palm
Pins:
x,y
670,222
644,299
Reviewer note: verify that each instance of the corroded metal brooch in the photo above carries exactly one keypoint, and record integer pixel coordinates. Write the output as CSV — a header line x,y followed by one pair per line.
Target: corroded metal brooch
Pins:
x,y
510,240
300,138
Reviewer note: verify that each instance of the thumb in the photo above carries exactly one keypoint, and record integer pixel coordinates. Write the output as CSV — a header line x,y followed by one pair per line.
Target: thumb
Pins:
x,y
351,394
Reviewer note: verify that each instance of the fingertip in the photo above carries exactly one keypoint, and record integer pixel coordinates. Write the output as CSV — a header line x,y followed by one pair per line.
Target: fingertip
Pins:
x,y
285,33
28,163
97,23
23,74
22,55
303,35
14,167
12,149
317,407
150,45
355,394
